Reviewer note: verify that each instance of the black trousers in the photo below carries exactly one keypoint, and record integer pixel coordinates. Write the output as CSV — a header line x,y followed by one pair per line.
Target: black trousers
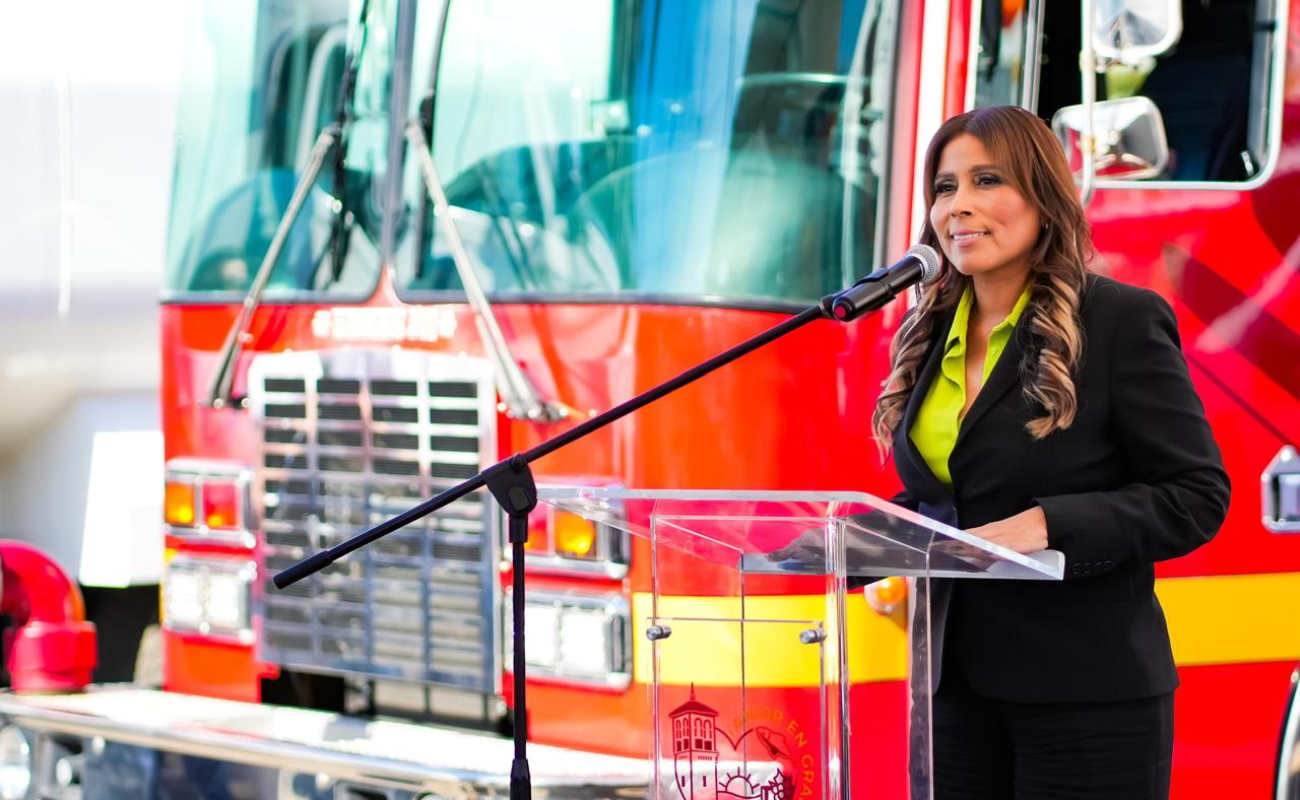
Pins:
x,y
988,749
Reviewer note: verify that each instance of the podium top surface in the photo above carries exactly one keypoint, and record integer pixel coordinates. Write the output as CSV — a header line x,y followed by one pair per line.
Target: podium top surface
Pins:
x,y
800,532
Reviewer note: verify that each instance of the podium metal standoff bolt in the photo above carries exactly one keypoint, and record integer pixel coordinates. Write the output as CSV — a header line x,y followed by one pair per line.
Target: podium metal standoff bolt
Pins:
x,y
656,632
812,636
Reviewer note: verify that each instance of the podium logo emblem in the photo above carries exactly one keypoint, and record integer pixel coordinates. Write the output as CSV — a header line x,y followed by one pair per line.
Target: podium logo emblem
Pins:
x,y
758,764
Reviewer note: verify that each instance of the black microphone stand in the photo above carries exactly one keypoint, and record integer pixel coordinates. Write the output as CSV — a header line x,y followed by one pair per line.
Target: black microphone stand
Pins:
x,y
511,483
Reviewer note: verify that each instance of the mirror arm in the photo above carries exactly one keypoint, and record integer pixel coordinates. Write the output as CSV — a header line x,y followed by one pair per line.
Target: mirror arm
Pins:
x,y
1087,137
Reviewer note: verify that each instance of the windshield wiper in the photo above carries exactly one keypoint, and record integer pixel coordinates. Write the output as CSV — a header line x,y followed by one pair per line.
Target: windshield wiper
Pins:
x,y
333,136
521,397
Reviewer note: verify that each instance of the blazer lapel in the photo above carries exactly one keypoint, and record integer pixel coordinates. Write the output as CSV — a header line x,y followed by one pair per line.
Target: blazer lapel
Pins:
x,y
902,437
1005,374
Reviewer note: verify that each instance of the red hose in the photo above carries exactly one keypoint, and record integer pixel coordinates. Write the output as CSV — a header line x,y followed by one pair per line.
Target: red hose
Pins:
x,y
50,647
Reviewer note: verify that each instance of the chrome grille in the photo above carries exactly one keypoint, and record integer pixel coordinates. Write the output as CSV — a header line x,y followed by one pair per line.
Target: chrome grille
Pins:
x,y
347,440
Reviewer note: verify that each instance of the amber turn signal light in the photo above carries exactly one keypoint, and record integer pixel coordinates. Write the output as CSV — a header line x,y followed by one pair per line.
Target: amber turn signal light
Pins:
x,y
573,535
178,504
891,590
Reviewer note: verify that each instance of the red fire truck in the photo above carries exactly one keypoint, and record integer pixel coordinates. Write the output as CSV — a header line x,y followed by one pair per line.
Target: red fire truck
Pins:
x,y
408,240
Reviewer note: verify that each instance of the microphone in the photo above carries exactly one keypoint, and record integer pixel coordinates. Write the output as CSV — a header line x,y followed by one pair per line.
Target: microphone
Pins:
x,y
918,265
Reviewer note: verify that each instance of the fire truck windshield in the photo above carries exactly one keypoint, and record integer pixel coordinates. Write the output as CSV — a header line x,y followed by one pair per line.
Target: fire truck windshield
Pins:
x,y
622,151
260,83
654,149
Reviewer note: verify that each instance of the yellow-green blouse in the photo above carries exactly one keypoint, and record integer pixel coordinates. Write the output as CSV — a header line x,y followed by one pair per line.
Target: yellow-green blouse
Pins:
x,y
938,420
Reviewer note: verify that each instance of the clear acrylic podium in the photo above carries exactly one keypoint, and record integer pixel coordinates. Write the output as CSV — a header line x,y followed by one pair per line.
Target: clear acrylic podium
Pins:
x,y
768,680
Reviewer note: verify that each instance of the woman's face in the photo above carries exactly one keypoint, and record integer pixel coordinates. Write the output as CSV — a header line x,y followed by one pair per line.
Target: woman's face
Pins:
x,y
985,227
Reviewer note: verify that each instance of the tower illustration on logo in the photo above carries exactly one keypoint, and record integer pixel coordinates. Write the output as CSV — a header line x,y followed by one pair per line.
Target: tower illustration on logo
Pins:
x,y
697,760
695,749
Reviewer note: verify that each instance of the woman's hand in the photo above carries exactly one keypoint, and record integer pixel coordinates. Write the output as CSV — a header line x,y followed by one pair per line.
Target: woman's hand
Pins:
x,y
1024,533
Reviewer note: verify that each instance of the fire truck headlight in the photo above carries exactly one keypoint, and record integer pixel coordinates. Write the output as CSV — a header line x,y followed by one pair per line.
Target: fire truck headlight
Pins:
x,y
15,764
541,624
585,643
183,597
575,637
209,596
227,606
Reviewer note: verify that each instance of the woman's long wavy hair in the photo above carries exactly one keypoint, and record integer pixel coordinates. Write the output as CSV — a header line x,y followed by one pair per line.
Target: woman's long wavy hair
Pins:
x,y
1034,165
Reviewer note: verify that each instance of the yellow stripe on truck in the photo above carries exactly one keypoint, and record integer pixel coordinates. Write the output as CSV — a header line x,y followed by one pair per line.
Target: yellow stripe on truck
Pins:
x,y
1233,619
1220,619
709,653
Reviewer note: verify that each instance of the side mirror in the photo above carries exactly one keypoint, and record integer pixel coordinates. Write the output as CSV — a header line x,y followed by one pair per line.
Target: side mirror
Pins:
x,y
1130,30
1129,135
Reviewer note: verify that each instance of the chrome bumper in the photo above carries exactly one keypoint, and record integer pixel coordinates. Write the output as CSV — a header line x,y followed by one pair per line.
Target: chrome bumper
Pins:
x,y
417,758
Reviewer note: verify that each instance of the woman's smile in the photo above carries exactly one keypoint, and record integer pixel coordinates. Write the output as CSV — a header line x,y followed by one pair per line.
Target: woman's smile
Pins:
x,y
967,239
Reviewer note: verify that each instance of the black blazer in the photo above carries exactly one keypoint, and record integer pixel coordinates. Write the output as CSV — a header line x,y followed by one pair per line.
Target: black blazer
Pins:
x,y
1136,479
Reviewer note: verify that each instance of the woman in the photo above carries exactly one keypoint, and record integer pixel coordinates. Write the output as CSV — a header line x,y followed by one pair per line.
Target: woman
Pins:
x,y
1040,406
